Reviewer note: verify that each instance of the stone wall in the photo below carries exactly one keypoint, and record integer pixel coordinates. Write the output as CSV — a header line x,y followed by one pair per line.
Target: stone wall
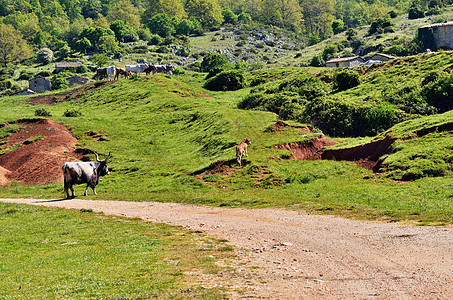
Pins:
x,y
437,36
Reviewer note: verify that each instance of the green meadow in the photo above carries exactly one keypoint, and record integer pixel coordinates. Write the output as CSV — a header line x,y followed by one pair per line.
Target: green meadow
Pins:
x,y
174,141
50,253
167,134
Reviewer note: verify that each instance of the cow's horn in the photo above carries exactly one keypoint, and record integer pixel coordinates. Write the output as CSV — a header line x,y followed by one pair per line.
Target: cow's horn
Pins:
x,y
110,154
97,157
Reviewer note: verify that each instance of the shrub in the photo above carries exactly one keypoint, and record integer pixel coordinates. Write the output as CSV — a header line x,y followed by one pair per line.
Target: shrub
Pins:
x,y
415,13
308,87
5,84
229,80
345,80
44,56
317,61
26,75
70,113
337,117
439,93
229,17
251,101
42,112
162,49
381,25
44,73
214,63
155,39
291,111
59,82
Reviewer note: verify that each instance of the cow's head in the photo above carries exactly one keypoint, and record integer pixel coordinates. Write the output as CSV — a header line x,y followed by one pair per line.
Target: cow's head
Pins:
x,y
102,168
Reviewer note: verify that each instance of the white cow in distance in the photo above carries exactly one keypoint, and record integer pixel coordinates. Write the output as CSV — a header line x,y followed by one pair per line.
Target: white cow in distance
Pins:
x,y
136,68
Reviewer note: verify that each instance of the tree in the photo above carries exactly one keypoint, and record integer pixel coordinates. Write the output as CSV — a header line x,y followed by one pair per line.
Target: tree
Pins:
x,y
185,27
162,25
100,60
108,44
120,29
207,12
244,17
229,17
318,16
173,8
337,26
270,13
290,13
44,56
83,45
13,47
124,10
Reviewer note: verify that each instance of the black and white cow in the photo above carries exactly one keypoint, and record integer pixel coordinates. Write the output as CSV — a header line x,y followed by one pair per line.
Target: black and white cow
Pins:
x,y
84,172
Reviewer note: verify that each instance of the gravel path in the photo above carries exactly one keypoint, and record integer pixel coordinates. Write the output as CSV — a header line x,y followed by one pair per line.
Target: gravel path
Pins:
x,y
292,255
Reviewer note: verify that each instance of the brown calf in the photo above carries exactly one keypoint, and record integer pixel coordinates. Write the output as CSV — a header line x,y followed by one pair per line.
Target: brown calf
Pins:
x,y
121,71
241,150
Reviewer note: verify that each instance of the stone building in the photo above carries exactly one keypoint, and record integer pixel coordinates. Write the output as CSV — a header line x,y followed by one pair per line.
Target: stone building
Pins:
x,y
40,84
345,62
59,66
76,79
437,36
382,57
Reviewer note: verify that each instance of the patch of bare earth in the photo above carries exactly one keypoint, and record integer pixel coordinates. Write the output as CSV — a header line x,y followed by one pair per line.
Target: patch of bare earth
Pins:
x,y
293,255
73,94
38,151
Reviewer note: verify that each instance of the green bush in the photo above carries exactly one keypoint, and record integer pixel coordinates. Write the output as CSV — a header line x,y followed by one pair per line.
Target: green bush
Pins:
x,y
317,61
26,75
70,113
42,112
415,12
214,63
44,56
345,80
229,80
308,87
381,25
338,117
439,93
5,84
59,82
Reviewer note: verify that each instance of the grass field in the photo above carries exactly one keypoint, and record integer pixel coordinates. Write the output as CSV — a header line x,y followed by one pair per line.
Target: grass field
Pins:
x,y
165,133
50,253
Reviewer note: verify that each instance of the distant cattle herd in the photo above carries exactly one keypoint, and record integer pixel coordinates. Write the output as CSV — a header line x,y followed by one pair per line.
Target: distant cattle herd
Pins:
x,y
113,72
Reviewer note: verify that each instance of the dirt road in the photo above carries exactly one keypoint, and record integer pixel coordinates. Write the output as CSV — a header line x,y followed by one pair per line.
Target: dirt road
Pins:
x,y
292,255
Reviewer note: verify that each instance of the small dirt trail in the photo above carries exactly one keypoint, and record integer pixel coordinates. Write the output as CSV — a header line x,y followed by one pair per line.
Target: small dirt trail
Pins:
x,y
293,255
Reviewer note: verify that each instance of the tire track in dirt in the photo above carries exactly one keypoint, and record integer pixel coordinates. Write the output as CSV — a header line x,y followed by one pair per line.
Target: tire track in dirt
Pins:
x,y
292,255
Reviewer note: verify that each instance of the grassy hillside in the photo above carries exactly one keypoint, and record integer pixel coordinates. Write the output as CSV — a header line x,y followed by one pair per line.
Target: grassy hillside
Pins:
x,y
172,140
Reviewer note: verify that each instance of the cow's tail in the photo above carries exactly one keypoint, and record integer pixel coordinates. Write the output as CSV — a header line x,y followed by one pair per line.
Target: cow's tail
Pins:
x,y
67,176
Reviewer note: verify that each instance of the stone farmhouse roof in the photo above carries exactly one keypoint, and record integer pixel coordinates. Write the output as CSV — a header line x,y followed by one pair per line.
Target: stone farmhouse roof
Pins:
x,y
68,64
439,25
344,59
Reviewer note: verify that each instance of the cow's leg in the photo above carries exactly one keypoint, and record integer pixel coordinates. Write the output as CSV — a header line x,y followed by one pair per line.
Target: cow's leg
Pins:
x,y
94,189
86,190
66,190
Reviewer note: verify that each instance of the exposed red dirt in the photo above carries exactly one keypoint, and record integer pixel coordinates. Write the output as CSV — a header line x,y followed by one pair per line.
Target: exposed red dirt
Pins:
x,y
307,150
366,155
280,126
66,96
39,161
